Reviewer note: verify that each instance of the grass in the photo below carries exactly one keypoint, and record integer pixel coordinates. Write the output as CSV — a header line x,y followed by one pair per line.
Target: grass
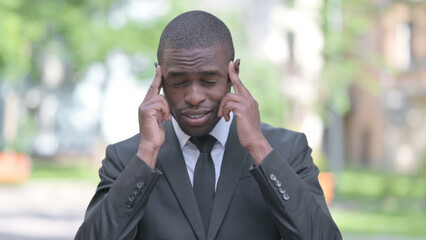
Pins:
x,y
401,223
376,184
79,169
380,202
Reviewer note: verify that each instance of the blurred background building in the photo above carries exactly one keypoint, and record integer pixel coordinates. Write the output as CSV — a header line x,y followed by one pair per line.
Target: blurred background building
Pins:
x,y
384,126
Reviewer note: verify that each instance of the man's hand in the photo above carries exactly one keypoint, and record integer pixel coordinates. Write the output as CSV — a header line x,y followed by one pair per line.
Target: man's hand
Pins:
x,y
152,111
246,110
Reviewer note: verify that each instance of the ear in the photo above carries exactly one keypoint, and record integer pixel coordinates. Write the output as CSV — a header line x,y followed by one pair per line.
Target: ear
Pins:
x,y
237,66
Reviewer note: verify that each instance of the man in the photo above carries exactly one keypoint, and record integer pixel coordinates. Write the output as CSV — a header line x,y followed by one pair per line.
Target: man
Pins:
x,y
203,165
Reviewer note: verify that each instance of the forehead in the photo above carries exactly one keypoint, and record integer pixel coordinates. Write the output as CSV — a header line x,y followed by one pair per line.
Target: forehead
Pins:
x,y
193,59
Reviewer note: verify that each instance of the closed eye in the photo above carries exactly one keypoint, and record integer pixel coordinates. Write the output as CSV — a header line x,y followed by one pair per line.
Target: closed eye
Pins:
x,y
209,82
177,83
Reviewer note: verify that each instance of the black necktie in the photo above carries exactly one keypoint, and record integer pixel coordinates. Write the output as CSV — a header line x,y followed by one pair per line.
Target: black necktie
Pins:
x,y
204,176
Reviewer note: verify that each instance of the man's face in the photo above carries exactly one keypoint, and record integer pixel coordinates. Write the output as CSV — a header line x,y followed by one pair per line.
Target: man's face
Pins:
x,y
194,82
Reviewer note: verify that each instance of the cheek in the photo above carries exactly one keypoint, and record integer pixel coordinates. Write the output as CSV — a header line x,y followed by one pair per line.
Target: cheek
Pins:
x,y
172,98
218,93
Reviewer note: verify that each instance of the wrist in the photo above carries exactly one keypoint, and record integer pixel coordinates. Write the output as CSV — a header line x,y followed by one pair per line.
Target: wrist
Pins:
x,y
259,149
148,154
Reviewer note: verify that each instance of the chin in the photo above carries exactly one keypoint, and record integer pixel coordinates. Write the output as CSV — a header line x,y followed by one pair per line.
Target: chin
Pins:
x,y
201,130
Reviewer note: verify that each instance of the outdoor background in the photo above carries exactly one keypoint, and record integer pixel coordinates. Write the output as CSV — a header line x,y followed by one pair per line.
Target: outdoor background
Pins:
x,y
351,74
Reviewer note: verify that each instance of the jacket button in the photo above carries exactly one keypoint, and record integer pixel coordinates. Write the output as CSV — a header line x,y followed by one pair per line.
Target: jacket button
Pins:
x,y
129,204
140,184
136,192
281,190
132,198
286,196
277,184
273,177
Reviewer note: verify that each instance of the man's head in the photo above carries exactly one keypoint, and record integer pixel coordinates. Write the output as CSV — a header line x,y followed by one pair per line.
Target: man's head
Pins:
x,y
194,52
196,29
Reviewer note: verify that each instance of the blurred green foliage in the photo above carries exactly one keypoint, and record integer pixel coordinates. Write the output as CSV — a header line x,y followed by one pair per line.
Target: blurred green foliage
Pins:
x,y
33,26
80,33
77,31
344,24
264,83
321,161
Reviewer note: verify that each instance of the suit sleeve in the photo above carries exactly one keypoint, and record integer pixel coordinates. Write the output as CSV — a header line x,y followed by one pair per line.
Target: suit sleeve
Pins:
x,y
291,189
120,199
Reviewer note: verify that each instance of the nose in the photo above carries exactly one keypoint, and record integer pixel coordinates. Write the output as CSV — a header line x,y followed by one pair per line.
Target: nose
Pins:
x,y
194,95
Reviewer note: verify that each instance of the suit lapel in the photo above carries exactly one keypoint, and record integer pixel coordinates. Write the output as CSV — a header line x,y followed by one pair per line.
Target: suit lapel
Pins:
x,y
171,160
234,160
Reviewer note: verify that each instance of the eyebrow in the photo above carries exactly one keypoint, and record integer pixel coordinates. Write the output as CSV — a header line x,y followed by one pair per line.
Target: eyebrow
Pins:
x,y
210,72
182,73
176,73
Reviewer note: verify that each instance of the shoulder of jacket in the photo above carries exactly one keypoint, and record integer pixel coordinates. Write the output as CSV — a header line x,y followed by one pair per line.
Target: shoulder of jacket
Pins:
x,y
269,130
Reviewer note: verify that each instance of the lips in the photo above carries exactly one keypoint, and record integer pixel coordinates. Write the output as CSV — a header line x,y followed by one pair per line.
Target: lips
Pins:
x,y
196,118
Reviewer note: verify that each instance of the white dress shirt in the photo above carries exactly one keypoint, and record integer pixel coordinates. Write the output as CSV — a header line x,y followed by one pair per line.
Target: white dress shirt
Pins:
x,y
190,151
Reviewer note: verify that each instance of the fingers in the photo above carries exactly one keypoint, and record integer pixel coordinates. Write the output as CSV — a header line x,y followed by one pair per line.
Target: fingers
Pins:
x,y
231,107
239,88
224,109
156,84
233,77
157,106
160,110
228,106
221,112
164,109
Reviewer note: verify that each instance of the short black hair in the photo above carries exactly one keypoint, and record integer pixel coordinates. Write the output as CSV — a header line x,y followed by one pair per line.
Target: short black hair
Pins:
x,y
196,29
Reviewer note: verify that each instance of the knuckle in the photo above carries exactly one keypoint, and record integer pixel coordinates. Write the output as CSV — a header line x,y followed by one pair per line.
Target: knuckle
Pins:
x,y
142,107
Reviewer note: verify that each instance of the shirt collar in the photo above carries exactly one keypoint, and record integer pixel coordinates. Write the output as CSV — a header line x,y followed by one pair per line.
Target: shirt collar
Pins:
x,y
220,131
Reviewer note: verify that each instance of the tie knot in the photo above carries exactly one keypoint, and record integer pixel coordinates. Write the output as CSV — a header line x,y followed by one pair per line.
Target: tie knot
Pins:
x,y
204,143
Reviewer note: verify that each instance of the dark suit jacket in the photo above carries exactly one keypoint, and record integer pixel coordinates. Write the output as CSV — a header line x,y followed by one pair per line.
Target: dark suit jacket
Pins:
x,y
134,201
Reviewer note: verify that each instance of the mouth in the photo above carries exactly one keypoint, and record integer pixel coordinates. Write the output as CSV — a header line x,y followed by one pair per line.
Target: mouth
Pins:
x,y
196,118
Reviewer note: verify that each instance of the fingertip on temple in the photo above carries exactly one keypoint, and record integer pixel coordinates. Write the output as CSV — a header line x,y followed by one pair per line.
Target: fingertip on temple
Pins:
x,y
231,64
